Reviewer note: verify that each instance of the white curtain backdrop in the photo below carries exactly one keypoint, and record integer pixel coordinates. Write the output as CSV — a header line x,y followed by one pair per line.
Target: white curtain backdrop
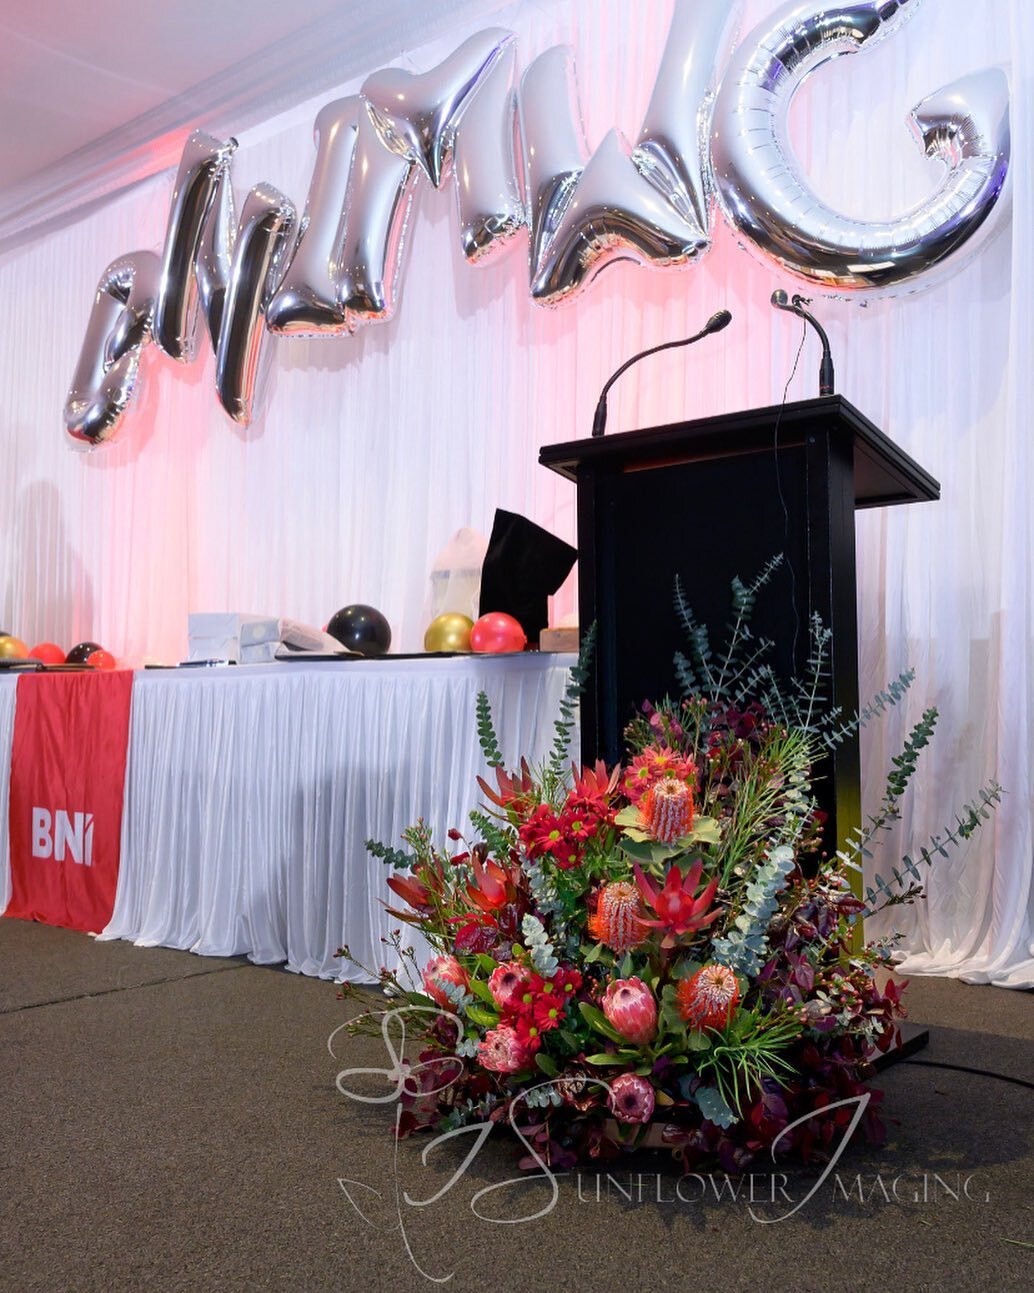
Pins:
x,y
369,452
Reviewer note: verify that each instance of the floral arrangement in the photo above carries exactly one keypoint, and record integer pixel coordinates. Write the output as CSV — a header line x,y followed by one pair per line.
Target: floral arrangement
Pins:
x,y
659,948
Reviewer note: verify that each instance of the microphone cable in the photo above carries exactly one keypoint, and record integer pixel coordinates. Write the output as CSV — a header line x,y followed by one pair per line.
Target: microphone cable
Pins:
x,y
782,498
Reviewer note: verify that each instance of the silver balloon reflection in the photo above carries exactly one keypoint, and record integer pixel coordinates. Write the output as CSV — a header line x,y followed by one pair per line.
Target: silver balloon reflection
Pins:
x,y
417,115
380,200
307,302
267,221
488,193
651,204
672,147
211,267
370,151
202,183
587,214
965,125
105,377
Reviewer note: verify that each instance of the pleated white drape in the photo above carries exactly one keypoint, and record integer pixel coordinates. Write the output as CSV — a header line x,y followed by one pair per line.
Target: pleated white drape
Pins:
x,y
250,794
370,452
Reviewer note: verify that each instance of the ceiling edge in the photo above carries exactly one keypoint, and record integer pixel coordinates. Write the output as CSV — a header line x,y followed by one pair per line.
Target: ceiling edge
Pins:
x,y
319,57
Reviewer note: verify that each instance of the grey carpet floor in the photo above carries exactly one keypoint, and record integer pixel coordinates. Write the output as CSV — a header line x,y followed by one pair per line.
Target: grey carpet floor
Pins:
x,y
171,1123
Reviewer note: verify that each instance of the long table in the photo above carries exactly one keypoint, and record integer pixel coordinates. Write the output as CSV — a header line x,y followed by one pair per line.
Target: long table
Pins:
x,y
251,790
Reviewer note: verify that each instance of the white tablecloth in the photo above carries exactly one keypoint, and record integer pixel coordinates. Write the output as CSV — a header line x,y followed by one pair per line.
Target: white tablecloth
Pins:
x,y
250,792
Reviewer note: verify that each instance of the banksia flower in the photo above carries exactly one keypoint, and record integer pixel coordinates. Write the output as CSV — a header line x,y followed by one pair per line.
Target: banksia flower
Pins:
x,y
666,810
630,1008
502,1051
708,999
443,969
616,923
631,1098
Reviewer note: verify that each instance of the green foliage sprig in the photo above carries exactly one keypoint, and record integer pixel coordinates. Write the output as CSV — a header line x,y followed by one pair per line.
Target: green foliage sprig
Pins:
x,y
565,722
487,738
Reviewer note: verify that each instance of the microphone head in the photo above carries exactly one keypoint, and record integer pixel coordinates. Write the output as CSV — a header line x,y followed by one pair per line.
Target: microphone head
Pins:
x,y
718,321
780,300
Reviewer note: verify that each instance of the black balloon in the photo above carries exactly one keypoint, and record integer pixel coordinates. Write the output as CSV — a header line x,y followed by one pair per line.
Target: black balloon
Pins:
x,y
362,629
81,653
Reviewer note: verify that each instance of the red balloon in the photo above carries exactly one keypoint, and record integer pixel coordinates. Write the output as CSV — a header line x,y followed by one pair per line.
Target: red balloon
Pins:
x,y
497,632
101,660
48,653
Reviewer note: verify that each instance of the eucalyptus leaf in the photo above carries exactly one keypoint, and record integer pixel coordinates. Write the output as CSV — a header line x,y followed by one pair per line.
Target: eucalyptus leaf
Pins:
x,y
713,1107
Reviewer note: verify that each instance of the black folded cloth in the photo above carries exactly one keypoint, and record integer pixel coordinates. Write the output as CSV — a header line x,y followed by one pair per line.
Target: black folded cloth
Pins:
x,y
523,566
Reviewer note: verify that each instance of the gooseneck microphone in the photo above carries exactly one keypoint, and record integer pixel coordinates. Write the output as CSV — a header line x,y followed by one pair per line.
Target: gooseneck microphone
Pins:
x,y
795,305
714,324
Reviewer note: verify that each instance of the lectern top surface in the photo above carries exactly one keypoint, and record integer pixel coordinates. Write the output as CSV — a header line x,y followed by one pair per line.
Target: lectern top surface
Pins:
x,y
883,472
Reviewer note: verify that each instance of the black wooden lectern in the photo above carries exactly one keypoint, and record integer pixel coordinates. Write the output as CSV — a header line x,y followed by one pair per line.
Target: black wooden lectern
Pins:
x,y
712,499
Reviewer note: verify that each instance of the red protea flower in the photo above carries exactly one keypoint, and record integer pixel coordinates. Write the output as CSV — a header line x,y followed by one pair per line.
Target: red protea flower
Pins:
x,y
492,886
630,1008
631,1098
507,983
679,912
412,891
617,923
513,792
708,999
502,1051
666,810
443,969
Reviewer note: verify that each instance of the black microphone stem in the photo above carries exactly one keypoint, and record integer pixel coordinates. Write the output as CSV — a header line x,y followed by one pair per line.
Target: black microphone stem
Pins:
x,y
796,306
714,324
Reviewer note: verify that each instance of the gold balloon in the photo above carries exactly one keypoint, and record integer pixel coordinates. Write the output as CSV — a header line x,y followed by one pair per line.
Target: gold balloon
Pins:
x,y
449,632
12,648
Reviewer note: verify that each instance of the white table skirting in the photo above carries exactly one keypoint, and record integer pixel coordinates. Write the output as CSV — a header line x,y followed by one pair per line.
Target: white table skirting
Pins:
x,y
250,792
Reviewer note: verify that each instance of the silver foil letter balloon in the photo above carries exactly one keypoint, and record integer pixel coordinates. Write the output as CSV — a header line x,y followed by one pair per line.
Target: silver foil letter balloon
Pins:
x,y
267,222
965,125
202,189
488,192
119,327
307,301
650,204
224,272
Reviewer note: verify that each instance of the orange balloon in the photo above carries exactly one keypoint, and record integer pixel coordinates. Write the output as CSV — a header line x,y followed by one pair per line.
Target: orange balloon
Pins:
x,y
48,653
12,648
101,660
497,632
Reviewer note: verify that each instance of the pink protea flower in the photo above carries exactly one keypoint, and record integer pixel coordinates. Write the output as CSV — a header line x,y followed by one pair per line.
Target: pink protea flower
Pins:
x,y
506,984
666,810
631,1098
502,1051
443,969
630,1008
708,999
617,923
